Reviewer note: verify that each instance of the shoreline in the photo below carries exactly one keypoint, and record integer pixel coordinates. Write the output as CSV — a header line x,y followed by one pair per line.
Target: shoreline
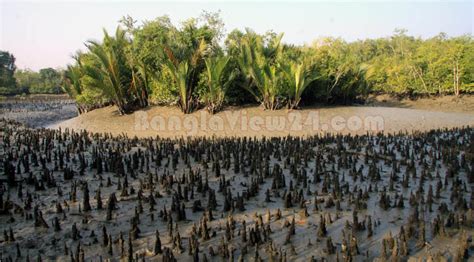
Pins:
x,y
396,115
169,122
445,103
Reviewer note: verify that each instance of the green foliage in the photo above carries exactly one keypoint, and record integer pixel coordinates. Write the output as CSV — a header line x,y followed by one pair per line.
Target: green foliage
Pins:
x,y
174,56
341,70
404,65
259,63
46,81
162,89
236,92
184,74
160,63
216,85
110,72
12,81
299,76
7,69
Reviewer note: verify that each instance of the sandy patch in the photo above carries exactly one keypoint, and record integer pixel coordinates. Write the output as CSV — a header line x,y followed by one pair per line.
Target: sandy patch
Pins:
x,y
254,121
459,104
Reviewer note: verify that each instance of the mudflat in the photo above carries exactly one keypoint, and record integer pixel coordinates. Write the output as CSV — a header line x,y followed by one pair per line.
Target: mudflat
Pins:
x,y
254,121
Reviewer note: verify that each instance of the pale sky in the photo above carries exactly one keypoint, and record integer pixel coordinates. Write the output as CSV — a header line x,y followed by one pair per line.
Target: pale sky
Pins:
x,y
46,33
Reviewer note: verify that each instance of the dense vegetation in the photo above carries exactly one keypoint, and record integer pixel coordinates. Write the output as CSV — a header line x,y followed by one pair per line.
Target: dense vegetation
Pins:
x,y
45,81
14,82
195,65
7,69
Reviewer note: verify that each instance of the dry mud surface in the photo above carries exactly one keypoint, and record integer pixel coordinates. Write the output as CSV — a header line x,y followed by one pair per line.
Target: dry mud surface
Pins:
x,y
170,122
447,103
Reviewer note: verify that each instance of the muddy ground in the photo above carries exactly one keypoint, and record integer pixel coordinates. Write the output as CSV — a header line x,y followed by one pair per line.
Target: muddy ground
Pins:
x,y
38,110
253,121
364,167
428,158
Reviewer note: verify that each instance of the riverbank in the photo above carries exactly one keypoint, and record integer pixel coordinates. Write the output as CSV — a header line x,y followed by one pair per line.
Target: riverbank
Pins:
x,y
447,103
381,113
38,110
254,121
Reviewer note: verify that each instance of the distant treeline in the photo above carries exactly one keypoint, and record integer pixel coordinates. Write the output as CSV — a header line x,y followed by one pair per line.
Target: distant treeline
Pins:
x,y
15,82
195,65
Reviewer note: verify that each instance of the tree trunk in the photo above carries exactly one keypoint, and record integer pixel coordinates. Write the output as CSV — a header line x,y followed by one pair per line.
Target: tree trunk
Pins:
x,y
456,78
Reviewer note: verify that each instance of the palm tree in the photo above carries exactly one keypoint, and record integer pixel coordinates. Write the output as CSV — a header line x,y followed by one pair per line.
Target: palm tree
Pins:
x,y
216,84
140,81
72,83
357,83
260,66
299,76
72,79
184,74
110,73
